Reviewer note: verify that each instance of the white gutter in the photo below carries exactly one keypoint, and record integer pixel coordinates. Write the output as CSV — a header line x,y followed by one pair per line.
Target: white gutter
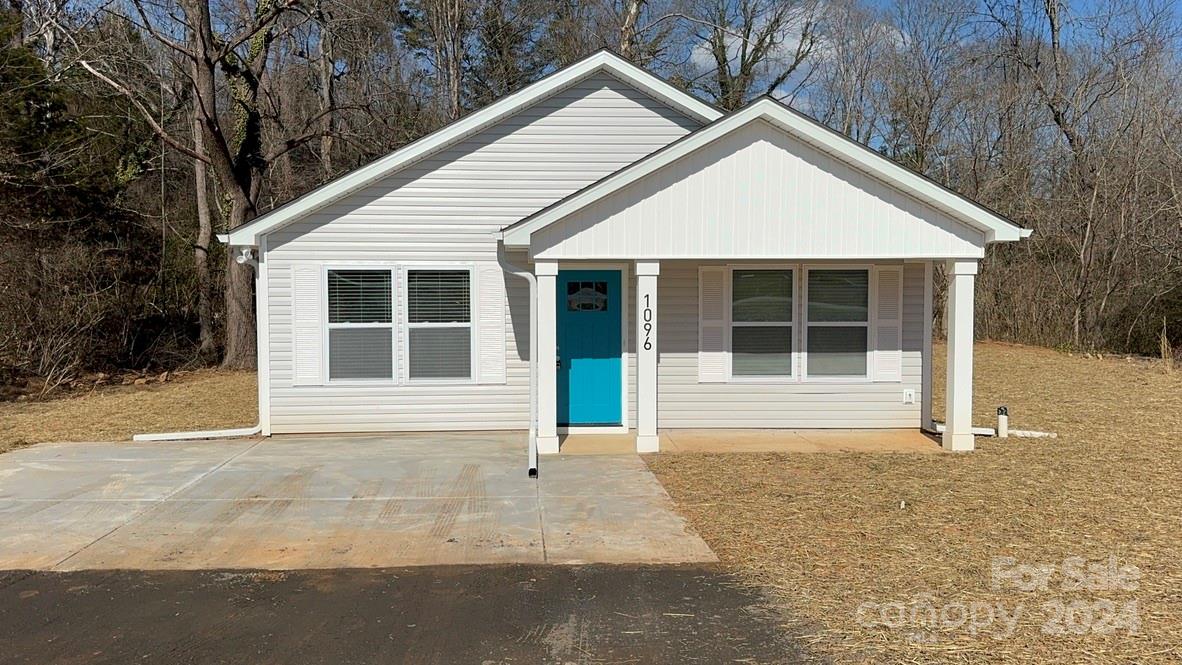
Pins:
x,y
201,434
529,277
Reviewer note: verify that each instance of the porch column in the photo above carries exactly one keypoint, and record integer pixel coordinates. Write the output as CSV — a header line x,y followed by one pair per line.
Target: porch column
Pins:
x,y
646,356
958,421
547,274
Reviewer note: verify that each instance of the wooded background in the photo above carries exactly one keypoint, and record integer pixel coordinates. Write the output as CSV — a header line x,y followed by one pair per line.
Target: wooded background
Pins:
x,y
132,131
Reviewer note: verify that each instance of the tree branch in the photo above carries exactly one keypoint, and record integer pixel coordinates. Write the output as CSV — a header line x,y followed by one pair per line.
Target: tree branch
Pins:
x,y
145,112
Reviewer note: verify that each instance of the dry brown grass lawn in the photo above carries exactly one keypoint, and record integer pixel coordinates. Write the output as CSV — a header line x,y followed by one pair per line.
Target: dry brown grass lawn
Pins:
x,y
199,400
831,533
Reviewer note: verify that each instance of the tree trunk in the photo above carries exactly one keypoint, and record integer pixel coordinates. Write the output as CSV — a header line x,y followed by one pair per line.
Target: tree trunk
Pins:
x,y
201,248
326,72
241,342
628,42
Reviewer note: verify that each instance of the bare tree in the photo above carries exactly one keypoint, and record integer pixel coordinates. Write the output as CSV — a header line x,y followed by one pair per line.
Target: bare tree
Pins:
x,y
234,147
206,343
753,46
848,92
442,28
1090,74
629,45
923,70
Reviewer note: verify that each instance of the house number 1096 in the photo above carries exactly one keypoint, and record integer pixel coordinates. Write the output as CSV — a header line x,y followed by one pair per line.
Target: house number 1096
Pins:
x,y
647,315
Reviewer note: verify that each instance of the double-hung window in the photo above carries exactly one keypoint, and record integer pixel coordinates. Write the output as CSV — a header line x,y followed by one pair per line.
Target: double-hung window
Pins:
x,y
837,323
360,325
439,324
761,323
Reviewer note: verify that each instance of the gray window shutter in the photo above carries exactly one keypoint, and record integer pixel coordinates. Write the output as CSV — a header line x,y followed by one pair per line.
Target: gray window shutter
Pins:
x,y
888,323
490,324
712,324
306,326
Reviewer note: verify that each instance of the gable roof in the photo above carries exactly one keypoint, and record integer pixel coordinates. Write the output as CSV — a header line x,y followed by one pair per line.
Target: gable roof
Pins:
x,y
248,235
995,227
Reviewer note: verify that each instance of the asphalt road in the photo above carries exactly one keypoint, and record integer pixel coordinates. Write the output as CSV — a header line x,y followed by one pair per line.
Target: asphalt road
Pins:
x,y
446,615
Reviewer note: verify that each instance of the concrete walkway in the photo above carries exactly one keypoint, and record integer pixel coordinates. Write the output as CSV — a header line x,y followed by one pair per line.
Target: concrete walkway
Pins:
x,y
330,502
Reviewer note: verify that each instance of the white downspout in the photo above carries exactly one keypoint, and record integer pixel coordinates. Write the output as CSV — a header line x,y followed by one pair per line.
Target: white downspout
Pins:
x,y
529,277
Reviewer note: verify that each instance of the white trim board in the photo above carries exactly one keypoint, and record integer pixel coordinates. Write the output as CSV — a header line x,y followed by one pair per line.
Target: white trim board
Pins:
x,y
603,61
968,212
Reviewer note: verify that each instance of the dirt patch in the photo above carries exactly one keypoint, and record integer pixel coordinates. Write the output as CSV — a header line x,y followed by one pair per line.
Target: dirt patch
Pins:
x,y
196,400
868,546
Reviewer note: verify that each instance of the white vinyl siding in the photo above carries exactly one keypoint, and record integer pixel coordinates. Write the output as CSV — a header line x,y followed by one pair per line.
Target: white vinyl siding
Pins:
x,y
490,324
685,401
447,209
758,193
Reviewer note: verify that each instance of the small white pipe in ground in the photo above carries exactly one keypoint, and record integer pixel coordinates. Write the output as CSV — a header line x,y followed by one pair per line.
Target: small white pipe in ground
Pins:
x,y
1003,422
1031,434
201,434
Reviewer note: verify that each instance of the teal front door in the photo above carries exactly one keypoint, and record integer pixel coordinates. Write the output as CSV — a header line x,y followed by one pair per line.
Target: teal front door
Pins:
x,y
589,345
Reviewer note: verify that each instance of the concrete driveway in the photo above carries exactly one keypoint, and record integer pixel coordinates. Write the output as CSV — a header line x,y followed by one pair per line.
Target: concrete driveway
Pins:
x,y
330,502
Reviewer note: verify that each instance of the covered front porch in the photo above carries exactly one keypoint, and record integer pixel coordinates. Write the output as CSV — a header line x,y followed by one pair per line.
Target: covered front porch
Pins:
x,y
773,275
686,362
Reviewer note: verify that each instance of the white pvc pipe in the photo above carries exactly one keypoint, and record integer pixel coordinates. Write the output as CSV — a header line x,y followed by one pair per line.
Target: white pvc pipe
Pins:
x,y
532,280
200,434
1020,433
977,431
1032,434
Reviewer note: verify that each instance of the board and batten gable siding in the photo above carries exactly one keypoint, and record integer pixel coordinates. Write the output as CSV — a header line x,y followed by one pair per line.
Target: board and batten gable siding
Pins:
x,y
683,401
753,193
447,208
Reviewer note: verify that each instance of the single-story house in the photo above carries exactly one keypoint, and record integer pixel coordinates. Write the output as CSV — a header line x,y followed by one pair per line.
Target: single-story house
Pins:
x,y
603,252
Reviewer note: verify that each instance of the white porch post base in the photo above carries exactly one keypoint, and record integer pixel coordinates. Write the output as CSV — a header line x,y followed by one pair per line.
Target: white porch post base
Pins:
x,y
547,445
648,443
958,421
547,272
957,443
647,440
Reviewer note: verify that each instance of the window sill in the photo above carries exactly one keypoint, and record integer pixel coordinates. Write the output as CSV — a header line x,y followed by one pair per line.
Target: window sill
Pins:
x,y
774,381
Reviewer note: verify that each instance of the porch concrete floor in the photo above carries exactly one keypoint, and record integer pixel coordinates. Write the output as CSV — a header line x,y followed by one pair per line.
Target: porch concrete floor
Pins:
x,y
758,441
330,502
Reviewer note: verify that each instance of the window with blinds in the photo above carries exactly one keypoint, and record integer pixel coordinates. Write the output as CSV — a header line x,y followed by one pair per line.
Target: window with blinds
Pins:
x,y
838,323
360,324
761,322
439,324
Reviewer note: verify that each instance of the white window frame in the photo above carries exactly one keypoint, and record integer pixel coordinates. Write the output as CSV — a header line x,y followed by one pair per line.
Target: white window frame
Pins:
x,y
407,326
395,363
793,325
806,324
